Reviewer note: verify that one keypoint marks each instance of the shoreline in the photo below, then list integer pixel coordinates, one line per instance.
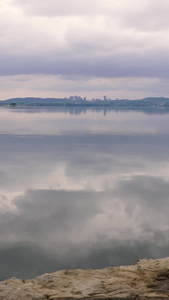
(147, 278)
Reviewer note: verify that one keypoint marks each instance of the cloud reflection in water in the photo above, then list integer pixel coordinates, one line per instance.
(82, 200)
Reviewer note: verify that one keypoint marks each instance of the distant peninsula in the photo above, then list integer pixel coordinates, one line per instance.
(76, 101)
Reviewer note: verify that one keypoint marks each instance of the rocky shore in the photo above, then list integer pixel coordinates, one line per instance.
(143, 280)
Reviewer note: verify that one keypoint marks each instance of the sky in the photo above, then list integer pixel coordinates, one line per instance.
(91, 48)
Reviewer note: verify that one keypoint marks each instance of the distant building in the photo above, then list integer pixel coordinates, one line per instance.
(105, 98)
(78, 98)
(75, 98)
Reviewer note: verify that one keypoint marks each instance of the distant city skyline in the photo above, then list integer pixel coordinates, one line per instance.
(89, 47)
(76, 98)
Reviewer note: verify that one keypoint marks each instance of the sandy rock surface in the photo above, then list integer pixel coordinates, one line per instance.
(145, 279)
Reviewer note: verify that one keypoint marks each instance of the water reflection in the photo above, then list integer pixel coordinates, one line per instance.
(77, 199)
(42, 121)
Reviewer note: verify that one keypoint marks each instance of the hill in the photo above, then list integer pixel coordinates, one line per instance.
(31, 101)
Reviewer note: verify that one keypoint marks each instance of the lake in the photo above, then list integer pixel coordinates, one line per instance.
(82, 188)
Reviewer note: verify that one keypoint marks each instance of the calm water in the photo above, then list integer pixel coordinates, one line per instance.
(82, 189)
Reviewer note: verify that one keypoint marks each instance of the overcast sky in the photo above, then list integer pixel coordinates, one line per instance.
(92, 48)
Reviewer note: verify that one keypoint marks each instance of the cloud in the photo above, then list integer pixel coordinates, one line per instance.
(146, 16)
(24, 260)
(111, 40)
(141, 16)
(85, 229)
(91, 47)
(128, 12)
(70, 205)
(75, 8)
(58, 8)
(66, 85)
(149, 193)
(47, 136)
(111, 66)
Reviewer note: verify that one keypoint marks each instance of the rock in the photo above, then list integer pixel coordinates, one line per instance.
(145, 279)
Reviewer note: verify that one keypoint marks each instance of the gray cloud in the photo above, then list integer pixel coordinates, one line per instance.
(60, 8)
(118, 154)
(24, 260)
(94, 39)
(150, 15)
(54, 230)
(121, 65)
(150, 193)
(112, 204)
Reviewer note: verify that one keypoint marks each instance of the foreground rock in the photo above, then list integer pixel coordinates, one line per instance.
(145, 279)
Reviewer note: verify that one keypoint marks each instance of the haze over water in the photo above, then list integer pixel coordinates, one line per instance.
(81, 189)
